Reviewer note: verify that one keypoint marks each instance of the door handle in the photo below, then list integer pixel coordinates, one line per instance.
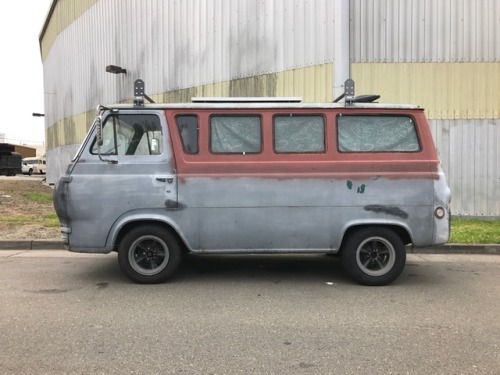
(164, 179)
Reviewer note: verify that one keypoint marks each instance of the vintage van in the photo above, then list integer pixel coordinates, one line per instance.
(250, 175)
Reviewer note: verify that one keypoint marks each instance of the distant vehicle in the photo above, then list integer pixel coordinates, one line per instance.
(34, 165)
(10, 161)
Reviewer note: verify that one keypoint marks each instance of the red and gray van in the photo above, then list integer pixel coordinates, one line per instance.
(255, 175)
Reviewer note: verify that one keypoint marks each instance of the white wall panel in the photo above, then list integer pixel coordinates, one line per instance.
(179, 44)
(470, 156)
(425, 30)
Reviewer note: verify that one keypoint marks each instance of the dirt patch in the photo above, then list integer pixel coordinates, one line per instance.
(26, 210)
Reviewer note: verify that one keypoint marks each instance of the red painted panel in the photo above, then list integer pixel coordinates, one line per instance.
(331, 164)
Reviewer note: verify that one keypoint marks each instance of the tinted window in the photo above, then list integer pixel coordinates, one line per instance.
(376, 134)
(235, 134)
(188, 130)
(131, 135)
(299, 134)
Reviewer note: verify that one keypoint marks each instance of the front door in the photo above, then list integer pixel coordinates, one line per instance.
(132, 172)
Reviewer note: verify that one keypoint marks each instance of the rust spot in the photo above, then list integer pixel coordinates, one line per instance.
(389, 210)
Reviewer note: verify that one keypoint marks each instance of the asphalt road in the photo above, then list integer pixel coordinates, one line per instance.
(64, 313)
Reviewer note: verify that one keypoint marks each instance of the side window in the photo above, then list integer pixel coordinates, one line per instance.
(299, 134)
(131, 135)
(376, 134)
(235, 134)
(187, 125)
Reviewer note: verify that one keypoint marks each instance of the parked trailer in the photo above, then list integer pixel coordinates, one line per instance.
(10, 162)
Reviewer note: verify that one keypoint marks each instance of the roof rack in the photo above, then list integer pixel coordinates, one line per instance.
(349, 97)
(246, 100)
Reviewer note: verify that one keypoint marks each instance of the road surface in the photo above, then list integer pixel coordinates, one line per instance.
(64, 313)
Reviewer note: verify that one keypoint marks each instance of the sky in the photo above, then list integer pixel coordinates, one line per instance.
(21, 70)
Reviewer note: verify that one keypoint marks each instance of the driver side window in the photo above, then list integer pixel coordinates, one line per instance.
(135, 134)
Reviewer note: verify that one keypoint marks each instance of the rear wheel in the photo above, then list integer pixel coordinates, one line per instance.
(374, 256)
(149, 254)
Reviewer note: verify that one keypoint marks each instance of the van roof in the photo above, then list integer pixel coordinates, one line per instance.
(263, 105)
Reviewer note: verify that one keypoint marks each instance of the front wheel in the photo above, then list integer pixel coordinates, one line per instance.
(374, 256)
(149, 254)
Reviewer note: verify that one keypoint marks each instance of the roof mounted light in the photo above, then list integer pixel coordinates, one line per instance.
(115, 69)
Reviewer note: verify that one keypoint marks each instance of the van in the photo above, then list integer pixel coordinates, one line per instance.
(34, 165)
(253, 175)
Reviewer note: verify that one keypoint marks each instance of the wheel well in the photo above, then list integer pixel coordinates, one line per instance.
(400, 231)
(134, 224)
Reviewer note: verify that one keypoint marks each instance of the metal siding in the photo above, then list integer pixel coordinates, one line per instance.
(445, 90)
(425, 30)
(469, 153)
(179, 44)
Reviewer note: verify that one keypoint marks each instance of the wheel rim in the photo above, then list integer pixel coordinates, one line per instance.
(375, 256)
(148, 255)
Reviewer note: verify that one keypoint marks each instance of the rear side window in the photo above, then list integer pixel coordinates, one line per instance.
(235, 134)
(377, 134)
(299, 134)
(188, 130)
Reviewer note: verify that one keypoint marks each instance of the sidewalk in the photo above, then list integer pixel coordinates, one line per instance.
(490, 249)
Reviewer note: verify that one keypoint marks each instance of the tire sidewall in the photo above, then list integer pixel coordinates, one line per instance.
(350, 262)
(174, 254)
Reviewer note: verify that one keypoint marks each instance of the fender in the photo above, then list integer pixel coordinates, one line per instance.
(157, 215)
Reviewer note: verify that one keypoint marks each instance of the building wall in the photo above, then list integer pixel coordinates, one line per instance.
(445, 56)
(441, 54)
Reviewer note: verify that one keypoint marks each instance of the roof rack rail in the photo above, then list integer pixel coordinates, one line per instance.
(221, 99)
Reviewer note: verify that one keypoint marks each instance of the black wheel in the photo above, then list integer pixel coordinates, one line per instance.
(30, 172)
(149, 254)
(374, 256)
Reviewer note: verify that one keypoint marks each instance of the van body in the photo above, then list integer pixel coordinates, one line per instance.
(155, 181)
(34, 165)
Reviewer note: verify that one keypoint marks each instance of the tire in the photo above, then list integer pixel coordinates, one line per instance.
(149, 254)
(30, 172)
(374, 256)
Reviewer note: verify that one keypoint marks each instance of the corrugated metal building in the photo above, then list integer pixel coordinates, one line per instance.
(441, 54)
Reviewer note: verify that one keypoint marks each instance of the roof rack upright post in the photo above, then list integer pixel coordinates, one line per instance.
(139, 93)
(349, 92)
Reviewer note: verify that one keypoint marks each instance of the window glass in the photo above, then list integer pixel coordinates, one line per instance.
(131, 135)
(376, 134)
(299, 134)
(188, 130)
(235, 134)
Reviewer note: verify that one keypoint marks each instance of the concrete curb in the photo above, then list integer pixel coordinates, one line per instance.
(31, 245)
(491, 249)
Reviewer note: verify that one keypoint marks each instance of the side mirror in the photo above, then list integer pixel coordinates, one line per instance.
(98, 124)
(99, 140)
(155, 146)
